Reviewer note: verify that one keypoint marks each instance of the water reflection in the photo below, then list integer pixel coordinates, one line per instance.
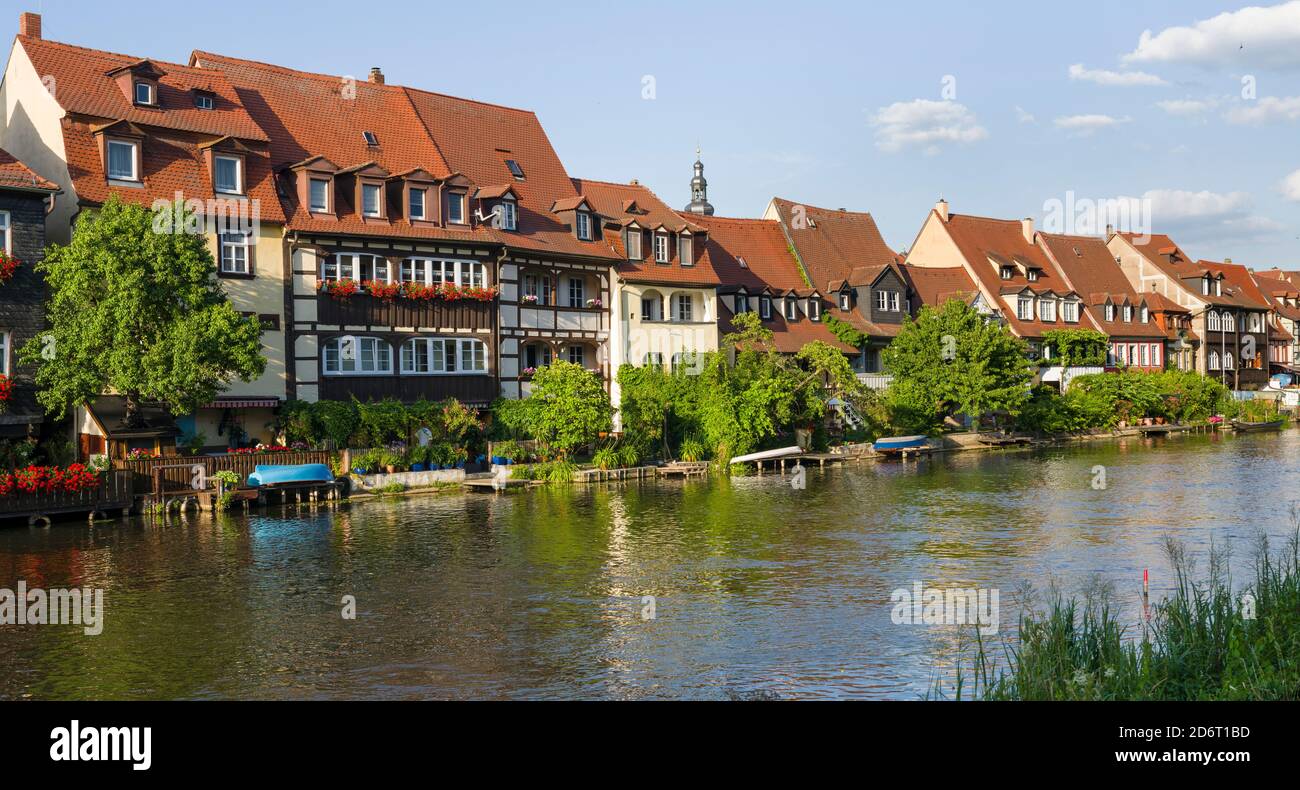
(756, 586)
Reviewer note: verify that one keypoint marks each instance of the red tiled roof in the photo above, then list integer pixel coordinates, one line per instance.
(833, 243)
(982, 241)
(1162, 303)
(613, 201)
(16, 175)
(936, 286)
(1091, 270)
(760, 244)
(1245, 291)
(788, 337)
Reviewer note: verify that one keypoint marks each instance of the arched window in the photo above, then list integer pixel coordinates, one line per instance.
(1229, 322)
(1228, 362)
(428, 356)
(357, 356)
(1212, 321)
(1214, 360)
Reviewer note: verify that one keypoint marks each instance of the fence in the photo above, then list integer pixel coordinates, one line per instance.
(177, 471)
(115, 491)
(876, 381)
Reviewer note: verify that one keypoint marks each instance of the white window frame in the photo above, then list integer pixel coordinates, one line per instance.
(652, 308)
(1212, 322)
(149, 92)
(684, 309)
(580, 352)
(1229, 322)
(6, 232)
(845, 301)
(882, 301)
(239, 174)
(685, 249)
(893, 301)
(1128, 313)
(1110, 312)
(424, 204)
(1047, 310)
(814, 309)
(634, 241)
(134, 147)
(234, 242)
(583, 226)
(1212, 360)
(580, 292)
(325, 192)
(662, 255)
(1025, 308)
(509, 214)
(376, 345)
(765, 307)
(378, 191)
(204, 101)
(463, 349)
(1144, 315)
(436, 271)
(1070, 311)
(456, 200)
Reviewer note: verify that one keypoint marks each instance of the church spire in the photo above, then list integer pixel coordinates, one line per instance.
(700, 190)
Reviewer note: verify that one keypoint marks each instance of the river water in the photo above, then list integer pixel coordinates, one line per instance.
(756, 587)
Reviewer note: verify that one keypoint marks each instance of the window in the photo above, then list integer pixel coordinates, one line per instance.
(204, 101)
(1205, 286)
(882, 300)
(320, 195)
(661, 248)
(539, 287)
(1229, 323)
(416, 204)
(537, 355)
(4, 353)
(358, 267)
(683, 307)
(1110, 312)
(1146, 361)
(584, 226)
(742, 304)
(509, 216)
(1213, 360)
(121, 160)
(1047, 310)
(1218, 291)
(1155, 356)
(515, 169)
(1007, 272)
(577, 292)
(765, 307)
(6, 235)
(435, 271)
(143, 93)
(685, 251)
(654, 358)
(634, 244)
(370, 138)
(1032, 275)
(228, 174)
(358, 356)
(814, 309)
(845, 300)
(1070, 312)
(433, 355)
(370, 200)
(1128, 313)
(456, 208)
(791, 310)
(1228, 362)
(893, 301)
(577, 355)
(1025, 308)
(1212, 321)
(234, 253)
(651, 308)
(1255, 323)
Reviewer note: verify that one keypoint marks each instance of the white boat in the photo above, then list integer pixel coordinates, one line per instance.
(767, 455)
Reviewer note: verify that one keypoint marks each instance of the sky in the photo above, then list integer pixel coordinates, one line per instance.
(1184, 113)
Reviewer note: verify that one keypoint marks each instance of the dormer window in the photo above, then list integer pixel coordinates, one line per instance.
(1145, 316)
(584, 226)
(661, 248)
(372, 200)
(1007, 272)
(1070, 311)
(685, 252)
(508, 214)
(1205, 286)
(320, 195)
(204, 101)
(791, 310)
(123, 160)
(1047, 309)
(1218, 287)
(742, 304)
(228, 174)
(456, 208)
(1128, 313)
(846, 300)
(1110, 312)
(1032, 275)
(144, 93)
(415, 204)
(814, 309)
(765, 307)
(634, 252)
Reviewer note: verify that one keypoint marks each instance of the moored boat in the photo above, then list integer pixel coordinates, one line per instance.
(1248, 427)
(902, 445)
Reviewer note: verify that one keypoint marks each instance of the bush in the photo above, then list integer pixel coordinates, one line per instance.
(693, 449)
(606, 458)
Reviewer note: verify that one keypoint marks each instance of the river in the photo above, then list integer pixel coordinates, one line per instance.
(755, 587)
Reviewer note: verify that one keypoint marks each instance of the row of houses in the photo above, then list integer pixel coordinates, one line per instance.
(482, 259)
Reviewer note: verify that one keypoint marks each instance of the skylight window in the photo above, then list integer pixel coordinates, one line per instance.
(515, 169)
(370, 138)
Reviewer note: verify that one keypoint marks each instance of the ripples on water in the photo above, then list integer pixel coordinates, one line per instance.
(758, 587)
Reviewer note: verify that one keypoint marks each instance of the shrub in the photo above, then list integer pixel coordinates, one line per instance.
(693, 449)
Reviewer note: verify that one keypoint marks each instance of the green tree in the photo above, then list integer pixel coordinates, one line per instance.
(957, 362)
(138, 312)
(1078, 347)
(570, 406)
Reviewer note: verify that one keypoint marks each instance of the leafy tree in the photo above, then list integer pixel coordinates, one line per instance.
(570, 406)
(138, 312)
(1078, 347)
(957, 362)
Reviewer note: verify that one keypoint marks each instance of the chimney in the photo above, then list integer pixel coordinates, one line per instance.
(1027, 227)
(1227, 260)
(376, 76)
(1110, 231)
(29, 25)
(942, 208)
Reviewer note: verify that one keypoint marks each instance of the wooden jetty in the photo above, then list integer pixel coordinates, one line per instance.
(684, 469)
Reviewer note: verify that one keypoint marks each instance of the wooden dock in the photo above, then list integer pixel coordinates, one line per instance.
(608, 475)
(684, 469)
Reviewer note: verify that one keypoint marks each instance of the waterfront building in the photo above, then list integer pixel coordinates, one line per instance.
(1282, 289)
(1229, 313)
(99, 124)
(25, 197)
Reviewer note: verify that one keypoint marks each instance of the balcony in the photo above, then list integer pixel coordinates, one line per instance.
(470, 389)
(365, 310)
(876, 381)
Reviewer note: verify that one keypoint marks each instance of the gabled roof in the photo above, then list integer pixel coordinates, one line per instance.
(832, 243)
(16, 175)
(935, 286)
(624, 204)
(1239, 287)
(788, 337)
(762, 245)
(1089, 267)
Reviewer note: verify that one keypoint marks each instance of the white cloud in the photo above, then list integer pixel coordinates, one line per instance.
(925, 123)
(1269, 108)
(1087, 124)
(1023, 116)
(1188, 107)
(1291, 187)
(1119, 78)
(1259, 37)
(1207, 215)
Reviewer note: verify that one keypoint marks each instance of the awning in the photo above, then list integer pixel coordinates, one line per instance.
(243, 403)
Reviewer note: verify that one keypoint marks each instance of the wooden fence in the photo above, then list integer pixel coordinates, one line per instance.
(178, 471)
(115, 492)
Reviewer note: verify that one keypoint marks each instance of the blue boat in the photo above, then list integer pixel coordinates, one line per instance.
(902, 445)
(284, 475)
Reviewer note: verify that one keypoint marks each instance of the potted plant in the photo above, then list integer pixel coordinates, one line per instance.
(365, 463)
(390, 461)
(419, 458)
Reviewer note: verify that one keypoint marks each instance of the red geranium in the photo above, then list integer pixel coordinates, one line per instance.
(8, 266)
(340, 289)
(6, 389)
(382, 290)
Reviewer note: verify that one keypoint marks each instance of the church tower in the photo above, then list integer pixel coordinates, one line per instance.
(700, 190)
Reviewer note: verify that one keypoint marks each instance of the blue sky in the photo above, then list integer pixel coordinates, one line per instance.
(835, 104)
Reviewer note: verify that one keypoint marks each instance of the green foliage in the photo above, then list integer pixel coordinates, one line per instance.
(195, 442)
(846, 332)
(391, 489)
(510, 450)
(693, 449)
(138, 312)
(339, 424)
(391, 459)
(1078, 347)
(571, 406)
(368, 461)
(958, 362)
(606, 458)
(228, 478)
(1103, 400)
(513, 418)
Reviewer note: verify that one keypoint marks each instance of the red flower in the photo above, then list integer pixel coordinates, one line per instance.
(382, 290)
(339, 289)
(6, 388)
(8, 266)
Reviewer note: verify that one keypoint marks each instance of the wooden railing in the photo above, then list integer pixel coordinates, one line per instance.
(115, 491)
(177, 472)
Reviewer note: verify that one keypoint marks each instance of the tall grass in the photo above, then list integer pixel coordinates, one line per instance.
(1201, 643)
